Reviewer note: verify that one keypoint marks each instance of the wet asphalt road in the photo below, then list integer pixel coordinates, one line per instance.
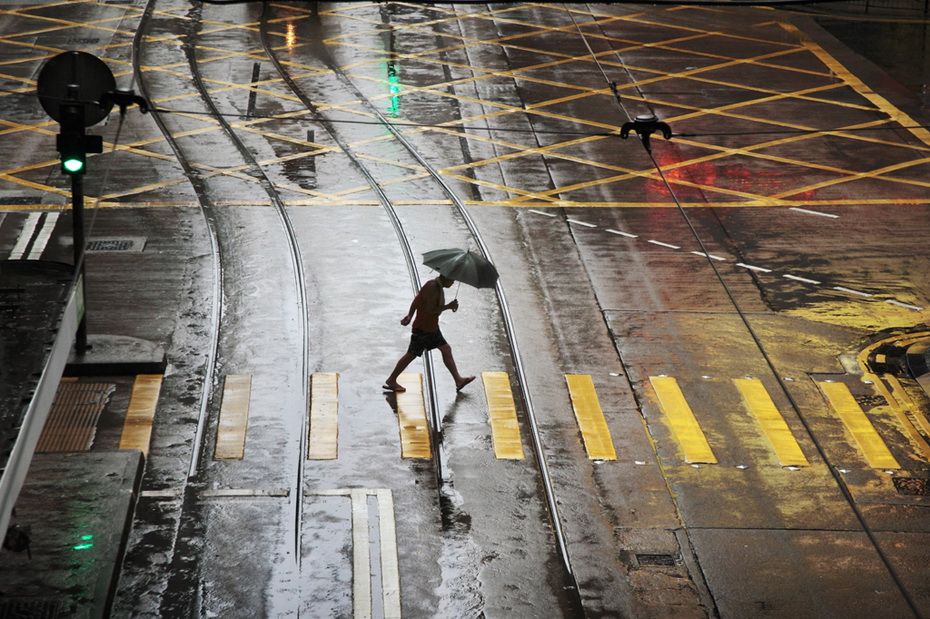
(604, 275)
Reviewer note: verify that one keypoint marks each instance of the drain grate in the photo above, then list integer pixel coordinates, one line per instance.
(912, 486)
(134, 244)
(72, 422)
(31, 609)
(649, 560)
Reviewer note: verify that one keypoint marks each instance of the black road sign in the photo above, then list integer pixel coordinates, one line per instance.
(76, 76)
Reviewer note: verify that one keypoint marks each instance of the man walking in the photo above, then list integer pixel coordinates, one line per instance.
(429, 303)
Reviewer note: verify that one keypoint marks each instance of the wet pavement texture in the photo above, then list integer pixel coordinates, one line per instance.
(780, 232)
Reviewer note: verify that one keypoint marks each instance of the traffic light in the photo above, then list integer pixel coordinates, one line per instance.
(72, 143)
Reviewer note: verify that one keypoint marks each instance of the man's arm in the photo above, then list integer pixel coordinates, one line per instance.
(414, 305)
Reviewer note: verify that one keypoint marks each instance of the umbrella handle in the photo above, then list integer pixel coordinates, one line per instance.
(457, 291)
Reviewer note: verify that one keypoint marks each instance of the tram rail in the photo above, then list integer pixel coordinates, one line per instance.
(506, 317)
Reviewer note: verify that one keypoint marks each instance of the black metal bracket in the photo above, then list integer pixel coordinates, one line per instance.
(123, 99)
(645, 125)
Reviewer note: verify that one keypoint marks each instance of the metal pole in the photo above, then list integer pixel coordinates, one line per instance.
(77, 220)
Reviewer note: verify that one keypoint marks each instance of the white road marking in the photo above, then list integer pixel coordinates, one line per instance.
(245, 492)
(361, 557)
(753, 268)
(809, 212)
(803, 279)
(544, 214)
(712, 256)
(670, 246)
(44, 235)
(581, 223)
(29, 228)
(361, 552)
(916, 308)
(851, 291)
(390, 574)
(626, 234)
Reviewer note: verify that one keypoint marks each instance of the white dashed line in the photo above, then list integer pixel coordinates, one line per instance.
(626, 234)
(803, 279)
(753, 268)
(33, 220)
(851, 291)
(916, 308)
(711, 256)
(809, 212)
(581, 223)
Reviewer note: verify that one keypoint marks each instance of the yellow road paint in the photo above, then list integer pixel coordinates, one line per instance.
(684, 425)
(859, 86)
(411, 415)
(760, 405)
(898, 399)
(502, 412)
(591, 421)
(323, 440)
(899, 394)
(234, 418)
(867, 439)
(137, 428)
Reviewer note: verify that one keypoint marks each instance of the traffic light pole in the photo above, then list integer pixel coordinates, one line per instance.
(77, 220)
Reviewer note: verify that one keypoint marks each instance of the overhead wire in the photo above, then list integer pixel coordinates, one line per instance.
(841, 483)
(292, 116)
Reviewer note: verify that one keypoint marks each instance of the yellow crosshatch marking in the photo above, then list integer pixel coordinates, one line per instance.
(502, 412)
(681, 420)
(868, 441)
(673, 37)
(760, 405)
(590, 417)
(137, 427)
(234, 417)
(323, 439)
(411, 417)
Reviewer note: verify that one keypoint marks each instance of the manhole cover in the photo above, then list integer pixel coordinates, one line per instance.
(646, 560)
(115, 244)
(912, 486)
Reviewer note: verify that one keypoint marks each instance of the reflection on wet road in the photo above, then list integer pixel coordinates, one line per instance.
(701, 386)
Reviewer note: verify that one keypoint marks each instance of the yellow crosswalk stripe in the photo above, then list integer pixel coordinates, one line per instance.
(681, 419)
(591, 421)
(502, 413)
(234, 417)
(760, 406)
(137, 428)
(411, 415)
(323, 437)
(867, 439)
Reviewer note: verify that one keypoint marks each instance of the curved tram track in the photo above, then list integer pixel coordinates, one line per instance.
(189, 518)
(183, 573)
(506, 317)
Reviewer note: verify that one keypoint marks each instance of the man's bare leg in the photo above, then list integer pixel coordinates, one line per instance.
(460, 381)
(391, 383)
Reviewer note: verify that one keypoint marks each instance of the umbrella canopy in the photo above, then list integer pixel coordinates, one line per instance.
(463, 266)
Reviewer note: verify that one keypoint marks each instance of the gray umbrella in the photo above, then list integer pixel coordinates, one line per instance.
(463, 266)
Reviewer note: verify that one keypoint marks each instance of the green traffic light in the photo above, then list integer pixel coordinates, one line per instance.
(73, 165)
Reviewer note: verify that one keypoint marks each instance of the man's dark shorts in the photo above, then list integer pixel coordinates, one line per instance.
(424, 340)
